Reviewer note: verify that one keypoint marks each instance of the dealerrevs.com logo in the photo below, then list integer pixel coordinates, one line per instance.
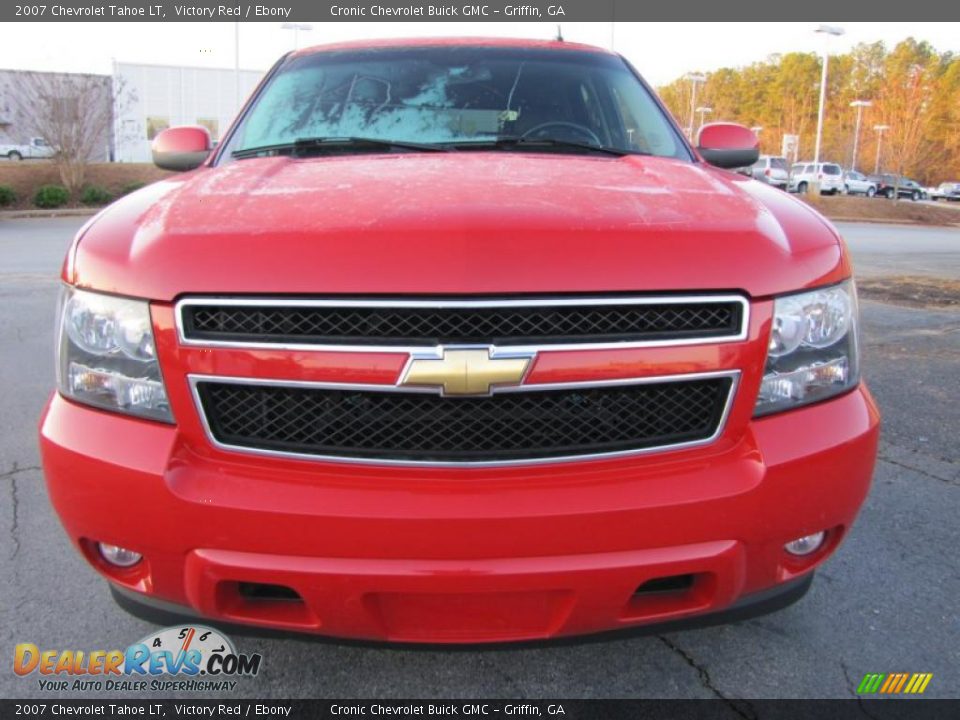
(183, 658)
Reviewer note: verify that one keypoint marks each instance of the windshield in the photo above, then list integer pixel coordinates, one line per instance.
(457, 96)
(778, 163)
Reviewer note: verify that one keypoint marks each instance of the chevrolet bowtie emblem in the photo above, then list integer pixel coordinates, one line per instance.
(465, 372)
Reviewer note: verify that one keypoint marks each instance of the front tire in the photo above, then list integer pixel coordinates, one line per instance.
(802, 188)
(15, 156)
(871, 191)
(915, 196)
(889, 193)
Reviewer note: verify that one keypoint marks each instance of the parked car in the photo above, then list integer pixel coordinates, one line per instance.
(420, 353)
(856, 183)
(890, 186)
(946, 191)
(917, 191)
(37, 148)
(805, 174)
(772, 170)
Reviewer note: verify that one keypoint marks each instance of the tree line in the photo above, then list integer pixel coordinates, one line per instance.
(913, 90)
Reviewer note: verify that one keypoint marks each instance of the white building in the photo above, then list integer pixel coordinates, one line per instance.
(150, 98)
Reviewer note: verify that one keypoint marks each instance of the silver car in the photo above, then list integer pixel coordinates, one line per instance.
(946, 191)
(772, 170)
(856, 183)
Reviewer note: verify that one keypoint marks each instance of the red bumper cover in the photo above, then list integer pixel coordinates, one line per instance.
(459, 555)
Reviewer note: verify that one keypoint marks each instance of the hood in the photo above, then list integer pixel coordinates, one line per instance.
(456, 223)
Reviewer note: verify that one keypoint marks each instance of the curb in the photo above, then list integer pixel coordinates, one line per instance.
(880, 221)
(66, 212)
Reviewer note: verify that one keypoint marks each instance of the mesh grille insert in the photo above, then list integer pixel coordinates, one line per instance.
(428, 428)
(527, 324)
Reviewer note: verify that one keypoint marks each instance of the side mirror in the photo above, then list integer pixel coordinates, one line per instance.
(728, 145)
(181, 148)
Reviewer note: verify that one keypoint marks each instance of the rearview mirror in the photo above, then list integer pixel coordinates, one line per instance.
(728, 145)
(181, 148)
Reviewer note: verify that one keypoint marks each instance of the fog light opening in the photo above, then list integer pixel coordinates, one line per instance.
(806, 545)
(118, 556)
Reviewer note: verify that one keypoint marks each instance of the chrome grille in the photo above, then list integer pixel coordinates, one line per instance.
(503, 322)
(569, 422)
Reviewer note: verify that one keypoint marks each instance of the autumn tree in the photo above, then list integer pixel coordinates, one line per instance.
(912, 88)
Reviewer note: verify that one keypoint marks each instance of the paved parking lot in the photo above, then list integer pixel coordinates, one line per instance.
(886, 602)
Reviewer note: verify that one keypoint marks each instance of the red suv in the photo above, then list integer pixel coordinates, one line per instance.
(457, 341)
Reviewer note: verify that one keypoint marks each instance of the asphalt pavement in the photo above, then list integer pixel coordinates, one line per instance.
(886, 602)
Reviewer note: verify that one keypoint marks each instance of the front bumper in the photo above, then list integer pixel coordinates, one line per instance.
(459, 555)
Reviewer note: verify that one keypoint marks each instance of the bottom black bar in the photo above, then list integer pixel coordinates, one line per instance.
(914, 709)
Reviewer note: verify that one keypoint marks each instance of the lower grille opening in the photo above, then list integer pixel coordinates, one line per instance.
(671, 583)
(671, 596)
(264, 602)
(265, 591)
(419, 427)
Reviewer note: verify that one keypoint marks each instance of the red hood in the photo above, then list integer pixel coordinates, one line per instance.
(456, 224)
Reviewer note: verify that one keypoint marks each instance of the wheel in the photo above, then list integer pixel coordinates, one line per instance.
(802, 188)
(846, 189)
(871, 191)
(915, 196)
(889, 193)
(15, 156)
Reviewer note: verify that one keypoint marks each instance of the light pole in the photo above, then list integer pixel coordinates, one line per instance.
(297, 27)
(859, 105)
(694, 79)
(236, 63)
(880, 130)
(703, 110)
(827, 30)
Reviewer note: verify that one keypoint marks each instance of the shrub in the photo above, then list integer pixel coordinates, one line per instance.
(95, 195)
(7, 196)
(51, 196)
(131, 186)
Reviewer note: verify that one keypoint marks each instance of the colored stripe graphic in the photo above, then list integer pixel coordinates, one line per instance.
(922, 682)
(894, 683)
(870, 683)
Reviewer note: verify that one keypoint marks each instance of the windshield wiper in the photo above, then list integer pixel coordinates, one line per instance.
(510, 142)
(331, 145)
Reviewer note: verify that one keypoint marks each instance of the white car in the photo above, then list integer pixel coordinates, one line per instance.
(805, 174)
(37, 148)
(856, 183)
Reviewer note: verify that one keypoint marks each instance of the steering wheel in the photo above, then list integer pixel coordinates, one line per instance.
(583, 130)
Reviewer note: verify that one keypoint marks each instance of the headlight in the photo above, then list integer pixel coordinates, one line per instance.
(107, 356)
(813, 349)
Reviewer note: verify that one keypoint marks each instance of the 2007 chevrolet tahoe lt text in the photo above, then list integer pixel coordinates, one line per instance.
(457, 341)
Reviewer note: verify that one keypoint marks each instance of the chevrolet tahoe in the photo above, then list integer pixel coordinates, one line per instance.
(457, 341)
